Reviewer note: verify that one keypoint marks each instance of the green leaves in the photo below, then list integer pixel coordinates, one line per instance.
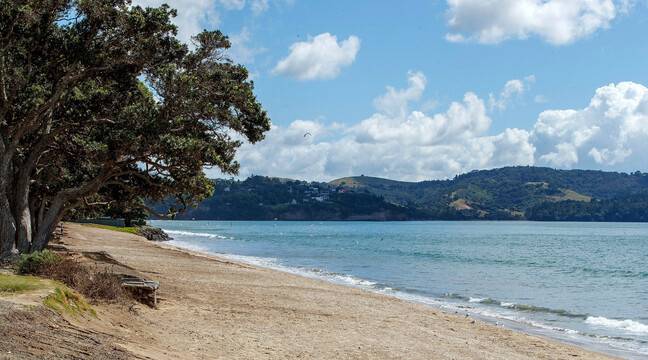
(104, 96)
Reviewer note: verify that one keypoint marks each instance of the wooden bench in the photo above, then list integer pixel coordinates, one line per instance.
(143, 290)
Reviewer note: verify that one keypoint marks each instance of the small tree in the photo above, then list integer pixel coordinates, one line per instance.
(97, 94)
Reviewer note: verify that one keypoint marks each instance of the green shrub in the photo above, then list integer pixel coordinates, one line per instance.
(35, 262)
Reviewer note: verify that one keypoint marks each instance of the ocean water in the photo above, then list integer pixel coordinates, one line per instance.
(585, 283)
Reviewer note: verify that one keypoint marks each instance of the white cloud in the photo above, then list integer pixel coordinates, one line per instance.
(512, 88)
(558, 22)
(321, 57)
(394, 142)
(256, 6)
(233, 4)
(259, 6)
(193, 15)
(394, 102)
(610, 133)
(196, 15)
(241, 50)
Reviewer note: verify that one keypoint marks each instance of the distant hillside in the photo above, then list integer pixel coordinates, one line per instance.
(511, 193)
(265, 198)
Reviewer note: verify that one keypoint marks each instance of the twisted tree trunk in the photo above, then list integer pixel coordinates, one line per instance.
(48, 224)
(7, 227)
(7, 221)
(23, 230)
(22, 213)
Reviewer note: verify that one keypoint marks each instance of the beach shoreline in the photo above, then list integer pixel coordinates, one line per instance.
(456, 310)
(214, 307)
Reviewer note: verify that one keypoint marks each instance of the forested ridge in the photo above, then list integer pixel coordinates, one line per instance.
(510, 193)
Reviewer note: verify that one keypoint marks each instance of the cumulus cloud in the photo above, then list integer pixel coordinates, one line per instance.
(321, 57)
(558, 22)
(512, 89)
(394, 142)
(394, 102)
(611, 132)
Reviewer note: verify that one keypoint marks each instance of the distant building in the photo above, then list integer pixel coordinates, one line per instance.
(293, 202)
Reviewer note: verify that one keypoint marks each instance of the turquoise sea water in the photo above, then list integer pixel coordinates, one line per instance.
(585, 283)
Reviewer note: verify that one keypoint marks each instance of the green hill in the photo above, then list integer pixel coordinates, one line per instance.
(507, 193)
(510, 193)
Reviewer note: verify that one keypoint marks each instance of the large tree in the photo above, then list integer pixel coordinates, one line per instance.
(98, 94)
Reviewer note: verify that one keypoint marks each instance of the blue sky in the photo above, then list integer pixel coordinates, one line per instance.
(475, 84)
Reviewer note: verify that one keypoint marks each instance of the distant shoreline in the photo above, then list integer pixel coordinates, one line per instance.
(510, 193)
(416, 220)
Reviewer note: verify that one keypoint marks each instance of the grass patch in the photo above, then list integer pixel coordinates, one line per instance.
(67, 301)
(16, 284)
(126, 229)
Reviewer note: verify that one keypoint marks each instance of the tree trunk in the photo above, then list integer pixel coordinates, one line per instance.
(41, 214)
(7, 221)
(23, 230)
(7, 227)
(48, 224)
(59, 204)
(22, 213)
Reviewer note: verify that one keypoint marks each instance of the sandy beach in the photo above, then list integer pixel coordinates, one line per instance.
(212, 308)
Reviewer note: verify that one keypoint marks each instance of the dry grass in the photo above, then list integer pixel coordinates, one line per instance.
(65, 300)
(105, 286)
(95, 284)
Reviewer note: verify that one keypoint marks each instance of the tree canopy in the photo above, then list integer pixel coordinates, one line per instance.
(99, 98)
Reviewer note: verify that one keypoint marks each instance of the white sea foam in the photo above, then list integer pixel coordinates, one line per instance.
(194, 234)
(274, 264)
(188, 246)
(507, 304)
(627, 325)
(476, 300)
